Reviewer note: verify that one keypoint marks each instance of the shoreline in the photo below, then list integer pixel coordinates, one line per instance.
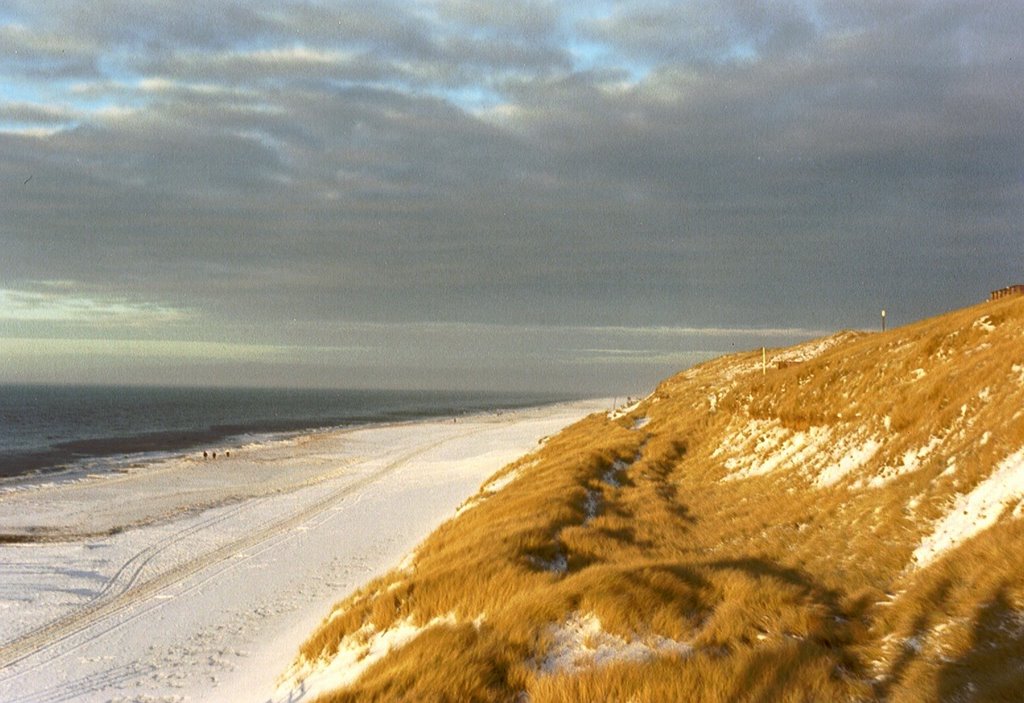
(98, 446)
(40, 471)
(212, 600)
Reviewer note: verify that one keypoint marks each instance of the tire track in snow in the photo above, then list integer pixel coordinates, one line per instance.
(144, 557)
(63, 628)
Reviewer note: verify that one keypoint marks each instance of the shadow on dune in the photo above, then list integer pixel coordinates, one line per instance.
(992, 668)
(767, 674)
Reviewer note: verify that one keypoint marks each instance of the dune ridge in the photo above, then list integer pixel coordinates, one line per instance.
(839, 524)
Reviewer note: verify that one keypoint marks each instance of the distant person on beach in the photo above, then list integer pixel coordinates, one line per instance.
(205, 455)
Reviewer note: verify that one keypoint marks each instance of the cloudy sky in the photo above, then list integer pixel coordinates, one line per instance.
(482, 193)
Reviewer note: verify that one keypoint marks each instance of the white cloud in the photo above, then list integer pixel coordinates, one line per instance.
(33, 306)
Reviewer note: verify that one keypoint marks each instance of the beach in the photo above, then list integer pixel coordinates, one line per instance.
(196, 579)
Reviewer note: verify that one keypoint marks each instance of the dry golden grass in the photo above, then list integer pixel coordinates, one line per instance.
(785, 589)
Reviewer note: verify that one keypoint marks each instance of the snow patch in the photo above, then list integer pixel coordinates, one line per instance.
(497, 484)
(610, 476)
(491, 487)
(557, 564)
(913, 504)
(974, 512)
(763, 446)
(641, 423)
(911, 461)
(777, 448)
(632, 405)
(855, 456)
(356, 653)
(591, 505)
(730, 372)
(408, 563)
(740, 438)
(809, 350)
(984, 323)
(581, 643)
(950, 467)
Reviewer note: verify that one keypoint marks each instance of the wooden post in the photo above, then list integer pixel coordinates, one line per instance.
(764, 362)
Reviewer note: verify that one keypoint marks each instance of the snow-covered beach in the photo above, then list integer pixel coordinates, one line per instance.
(197, 580)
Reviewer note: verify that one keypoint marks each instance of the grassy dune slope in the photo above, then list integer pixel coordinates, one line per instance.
(842, 527)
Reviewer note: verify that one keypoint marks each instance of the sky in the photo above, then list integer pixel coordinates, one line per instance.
(474, 194)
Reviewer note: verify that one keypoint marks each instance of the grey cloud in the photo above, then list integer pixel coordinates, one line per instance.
(705, 33)
(841, 105)
(321, 163)
(45, 55)
(531, 18)
(36, 113)
(157, 25)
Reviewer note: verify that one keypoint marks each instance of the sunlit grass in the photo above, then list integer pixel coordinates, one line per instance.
(783, 589)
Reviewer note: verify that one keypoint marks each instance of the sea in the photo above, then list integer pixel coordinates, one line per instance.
(45, 428)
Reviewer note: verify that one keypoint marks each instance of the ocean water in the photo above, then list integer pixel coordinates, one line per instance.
(45, 428)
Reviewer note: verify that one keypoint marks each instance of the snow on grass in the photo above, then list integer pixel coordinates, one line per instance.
(1019, 370)
(950, 467)
(491, 487)
(809, 350)
(625, 410)
(641, 423)
(911, 461)
(821, 453)
(913, 504)
(581, 643)
(591, 505)
(356, 653)
(984, 323)
(610, 476)
(856, 455)
(557, 564)
(499, 483)
(739, 438)
(776, 448)
(976, 511)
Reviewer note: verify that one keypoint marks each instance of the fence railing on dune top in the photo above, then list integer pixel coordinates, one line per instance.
(1016, 289)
